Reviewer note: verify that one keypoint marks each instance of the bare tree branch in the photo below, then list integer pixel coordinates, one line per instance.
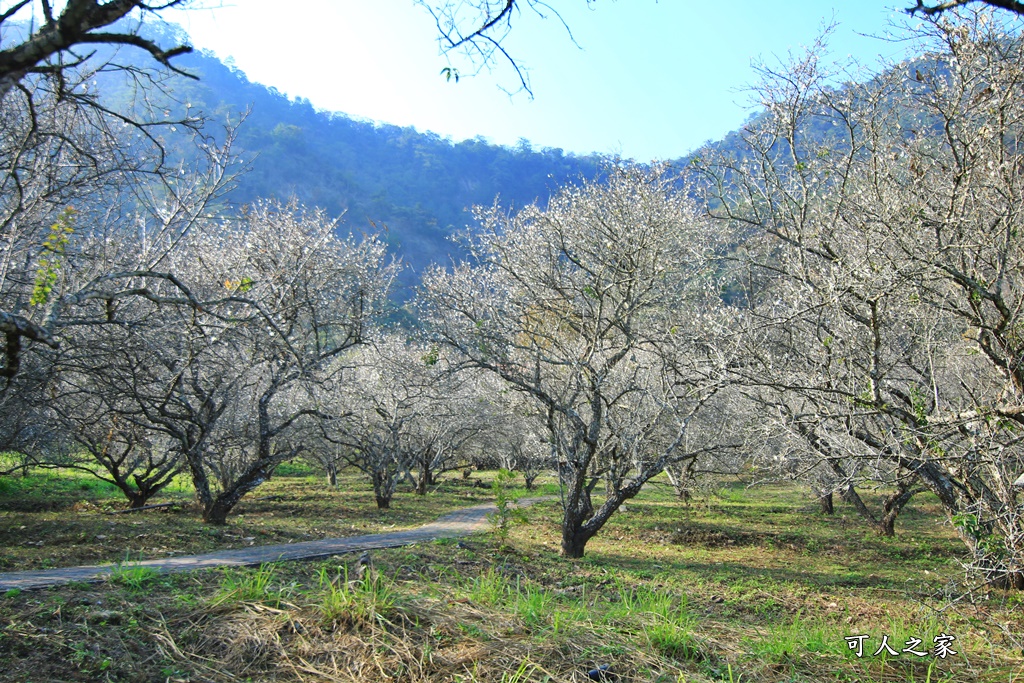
(938, 8)
(74, 26)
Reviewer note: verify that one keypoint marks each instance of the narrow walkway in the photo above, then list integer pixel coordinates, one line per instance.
(453, 525)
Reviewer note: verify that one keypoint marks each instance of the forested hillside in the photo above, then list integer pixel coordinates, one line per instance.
(418, 185)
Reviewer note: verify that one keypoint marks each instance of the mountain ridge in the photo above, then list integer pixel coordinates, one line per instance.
(416, 186)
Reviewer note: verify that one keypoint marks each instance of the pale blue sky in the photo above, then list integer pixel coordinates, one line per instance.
(648, 80)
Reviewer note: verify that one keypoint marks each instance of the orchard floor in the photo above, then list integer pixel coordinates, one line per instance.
(54, 519)
(742, 584)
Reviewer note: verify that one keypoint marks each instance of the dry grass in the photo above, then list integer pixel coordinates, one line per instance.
(747, 586)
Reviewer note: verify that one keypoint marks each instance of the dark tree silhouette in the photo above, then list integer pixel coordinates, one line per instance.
(936, 8)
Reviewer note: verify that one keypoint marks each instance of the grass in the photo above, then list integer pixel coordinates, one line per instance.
(779, 643)
(50, 519)
(747, 585)
(133, 577)
(51, 489)
(354, 602)
(249, 585)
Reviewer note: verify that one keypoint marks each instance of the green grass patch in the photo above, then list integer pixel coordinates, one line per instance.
(250, 585)
(134, 578)
(344, 601)
(54, 519)
(799, 636)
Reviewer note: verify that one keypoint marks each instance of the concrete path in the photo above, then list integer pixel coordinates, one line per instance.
(452, 525)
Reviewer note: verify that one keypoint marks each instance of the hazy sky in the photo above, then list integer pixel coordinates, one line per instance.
(647, 80)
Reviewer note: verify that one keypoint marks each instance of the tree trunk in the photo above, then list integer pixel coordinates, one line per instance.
(850, 495)
(581, 522)
(578, 529)
(200, 482)
(332, 474)
(574, 533)
(136, 499)
(573, 545)
(1010, 580)
(383, 489)
(586, 504)
(144, 489)
(585, 509)
(259, 471)
(680, 478)
(826, 503)
(217, 514)
(426, 477)
(217, 510)
(939, 482)
(892, 507)
(576, 509)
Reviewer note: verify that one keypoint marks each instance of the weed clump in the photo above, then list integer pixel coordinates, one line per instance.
(363, 601)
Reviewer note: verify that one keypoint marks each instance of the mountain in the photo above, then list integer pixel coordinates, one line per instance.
(417, 185)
